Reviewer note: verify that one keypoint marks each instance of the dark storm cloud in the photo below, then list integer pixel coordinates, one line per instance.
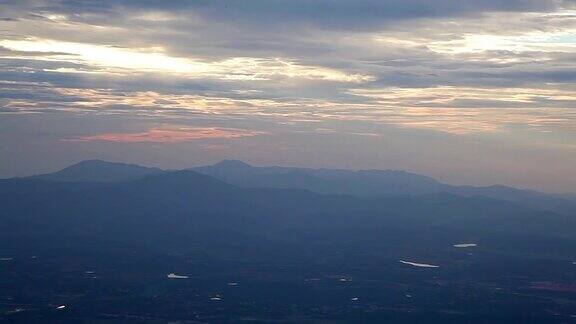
(326, 14)
(323, 12)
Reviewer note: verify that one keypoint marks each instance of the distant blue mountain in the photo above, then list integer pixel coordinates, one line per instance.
(189, 198)
(371, 183)
(362, 183)
(327, 181)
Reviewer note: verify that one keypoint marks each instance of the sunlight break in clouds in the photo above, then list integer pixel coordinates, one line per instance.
(113, 59)
(564, 41)
(169, 134)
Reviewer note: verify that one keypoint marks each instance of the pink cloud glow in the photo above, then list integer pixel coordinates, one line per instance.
(169, 135)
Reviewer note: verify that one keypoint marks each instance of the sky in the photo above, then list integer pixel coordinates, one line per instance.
(467, 91)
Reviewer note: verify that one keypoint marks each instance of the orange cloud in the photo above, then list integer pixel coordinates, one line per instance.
(169, 135)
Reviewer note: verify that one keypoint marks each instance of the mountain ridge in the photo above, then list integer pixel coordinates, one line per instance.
(96, 170)
(361, 183)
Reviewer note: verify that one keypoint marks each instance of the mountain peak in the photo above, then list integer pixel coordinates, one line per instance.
(95, 163)
(99, 171)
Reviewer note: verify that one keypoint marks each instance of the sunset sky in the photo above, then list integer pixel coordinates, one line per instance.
(466, 91)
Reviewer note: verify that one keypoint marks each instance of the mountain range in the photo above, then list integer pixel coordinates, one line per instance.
(362, 183)
(238, 192)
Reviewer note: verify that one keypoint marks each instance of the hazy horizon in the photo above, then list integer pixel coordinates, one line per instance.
(191, 166)
(474, 92)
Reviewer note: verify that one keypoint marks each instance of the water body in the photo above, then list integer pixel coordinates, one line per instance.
(419, 265)
(465, 245)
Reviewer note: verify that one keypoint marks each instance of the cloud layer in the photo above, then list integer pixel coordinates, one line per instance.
(471, 70)
(168, 134)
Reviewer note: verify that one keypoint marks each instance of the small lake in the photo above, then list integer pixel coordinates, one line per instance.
(465, 245)
(419, 265)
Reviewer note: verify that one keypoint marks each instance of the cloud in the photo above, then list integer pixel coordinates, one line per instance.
(169, 134)
(415, 68)
(454, 110)
(116, 60)
(327, 13)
